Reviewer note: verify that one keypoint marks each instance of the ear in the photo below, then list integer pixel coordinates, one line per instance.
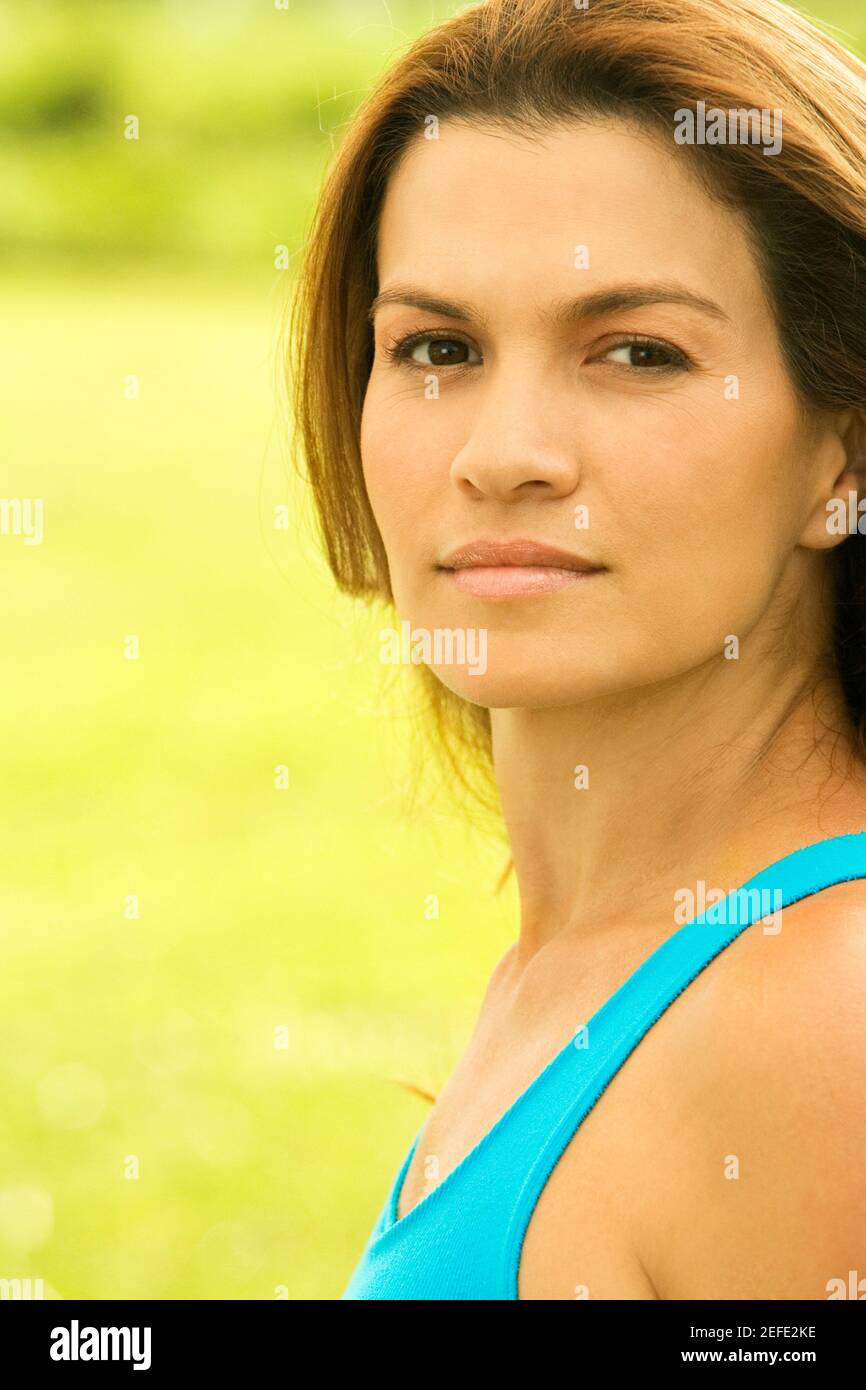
(840, 508)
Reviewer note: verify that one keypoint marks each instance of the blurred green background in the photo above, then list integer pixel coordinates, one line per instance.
(210, 982)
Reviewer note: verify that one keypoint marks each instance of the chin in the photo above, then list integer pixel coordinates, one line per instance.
(517, 687)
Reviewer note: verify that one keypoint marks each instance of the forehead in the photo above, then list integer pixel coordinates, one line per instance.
(506, 211)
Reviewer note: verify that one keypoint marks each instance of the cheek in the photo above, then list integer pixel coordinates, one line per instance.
(705, 525)
(404, 455)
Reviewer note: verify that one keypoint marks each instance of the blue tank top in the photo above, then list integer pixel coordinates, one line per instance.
(463, 1240)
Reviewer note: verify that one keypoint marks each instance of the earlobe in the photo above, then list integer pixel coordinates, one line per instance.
(842, 509)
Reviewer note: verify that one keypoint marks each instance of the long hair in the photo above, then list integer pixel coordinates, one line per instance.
(528, 64)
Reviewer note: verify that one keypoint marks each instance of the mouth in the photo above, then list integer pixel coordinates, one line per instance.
(490, 569)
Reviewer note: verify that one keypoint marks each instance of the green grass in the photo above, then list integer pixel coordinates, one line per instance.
(259, 908)
(239, 106)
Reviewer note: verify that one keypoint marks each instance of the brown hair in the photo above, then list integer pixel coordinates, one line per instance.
(532, 63)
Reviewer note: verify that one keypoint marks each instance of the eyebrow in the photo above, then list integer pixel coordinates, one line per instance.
(561, 311)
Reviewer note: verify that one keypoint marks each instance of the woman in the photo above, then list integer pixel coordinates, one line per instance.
(580, 380)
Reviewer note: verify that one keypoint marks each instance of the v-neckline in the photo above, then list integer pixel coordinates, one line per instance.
(394, 1223)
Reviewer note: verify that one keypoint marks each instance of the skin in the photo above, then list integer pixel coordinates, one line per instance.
(708, 516)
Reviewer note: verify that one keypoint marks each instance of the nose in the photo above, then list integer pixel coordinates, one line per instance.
(520, 443)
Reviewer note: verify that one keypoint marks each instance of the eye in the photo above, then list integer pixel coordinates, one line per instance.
(648, 354)
(444, 351)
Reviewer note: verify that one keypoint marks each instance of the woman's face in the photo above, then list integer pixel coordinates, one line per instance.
(677, 464)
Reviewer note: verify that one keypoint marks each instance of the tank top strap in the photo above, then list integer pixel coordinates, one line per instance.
(568, 1089)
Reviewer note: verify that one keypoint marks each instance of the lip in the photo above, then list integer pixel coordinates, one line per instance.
(507, 569)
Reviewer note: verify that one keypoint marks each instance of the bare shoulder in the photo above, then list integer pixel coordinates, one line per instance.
(764, 1193)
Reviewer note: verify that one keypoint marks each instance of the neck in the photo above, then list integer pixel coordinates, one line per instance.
(710, 776)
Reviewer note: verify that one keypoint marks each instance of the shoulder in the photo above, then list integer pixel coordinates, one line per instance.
(765, 1195)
